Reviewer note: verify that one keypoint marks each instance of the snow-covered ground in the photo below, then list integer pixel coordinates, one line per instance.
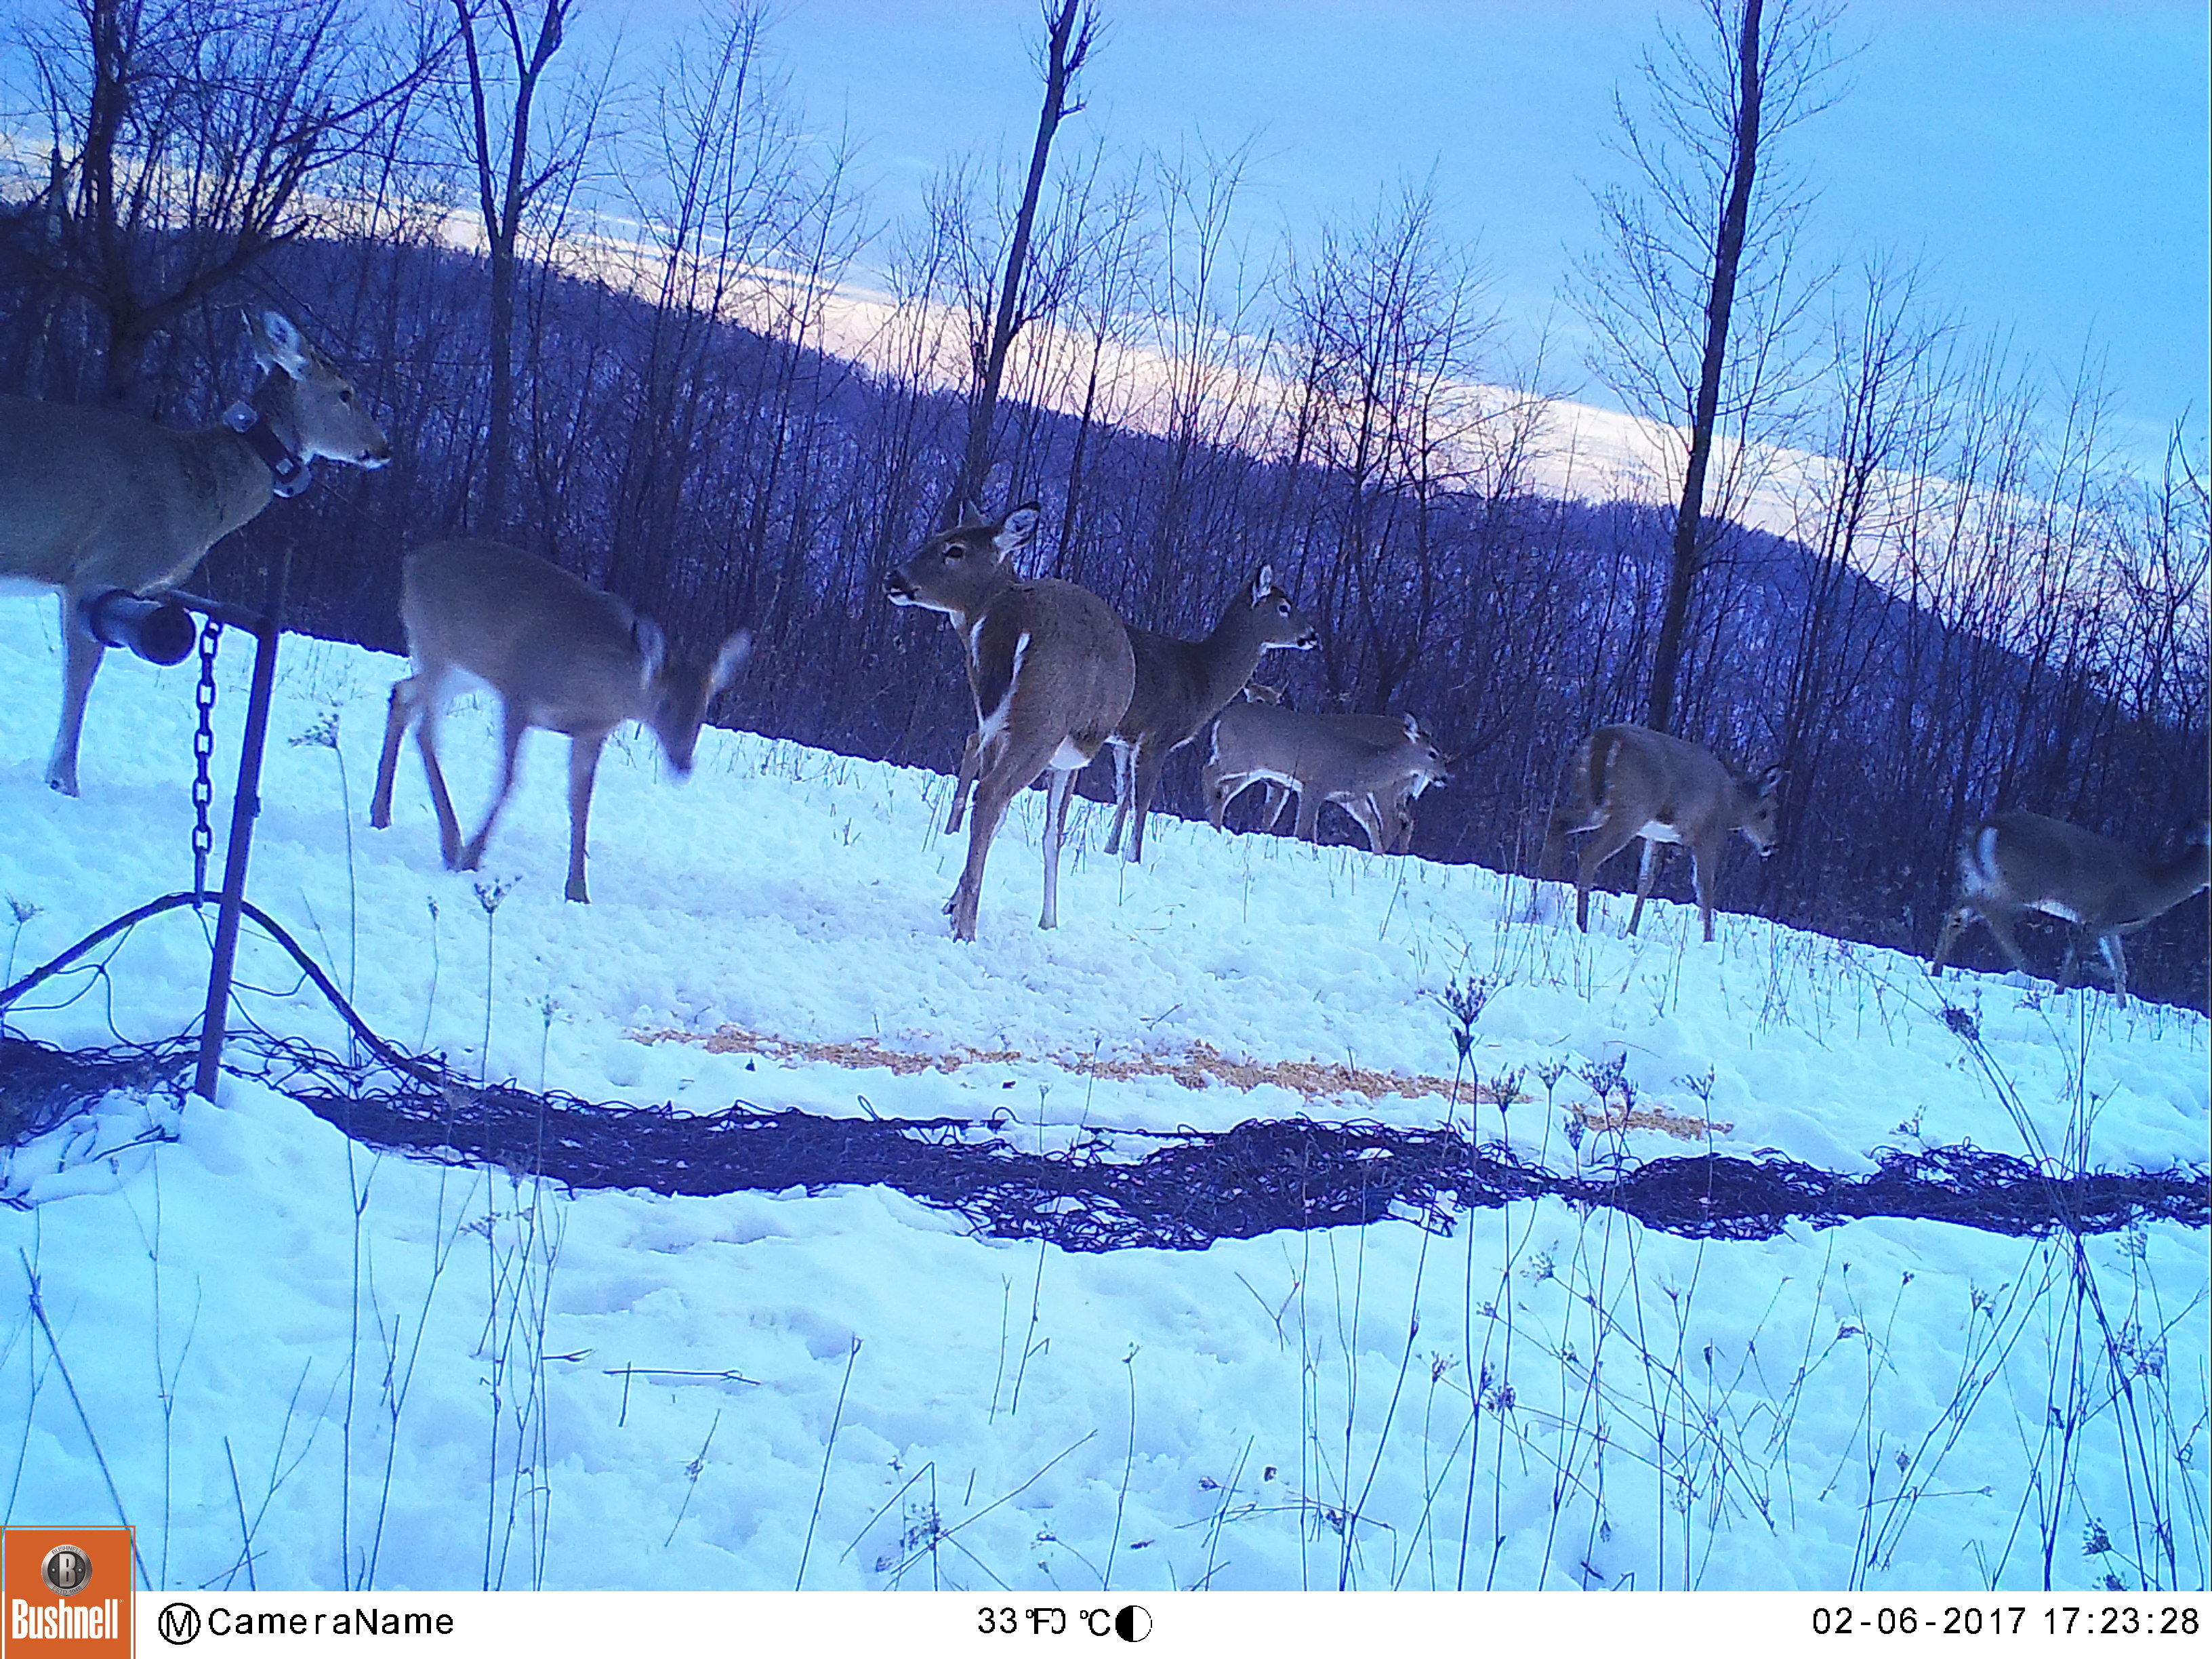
(356, 1369)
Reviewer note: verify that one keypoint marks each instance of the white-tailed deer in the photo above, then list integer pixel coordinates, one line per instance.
(94, 499)
(2019, 862)
(1183, 683)
(1370, 764)
(1051, 670)
(559, 655)
(1625, 781)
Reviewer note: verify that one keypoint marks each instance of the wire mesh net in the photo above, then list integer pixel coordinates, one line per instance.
(1121, 1190)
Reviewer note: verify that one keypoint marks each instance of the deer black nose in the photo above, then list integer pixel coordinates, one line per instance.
(897, 587)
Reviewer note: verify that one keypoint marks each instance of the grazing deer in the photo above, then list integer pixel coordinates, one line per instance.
(1370, 764)
(1183, 683)
(1625, 781)
(93, 498)
(1051, 670)
(2019, 862)
(560, 655)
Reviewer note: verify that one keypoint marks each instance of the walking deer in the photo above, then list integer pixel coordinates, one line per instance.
(1370, 764)
(1183, 683)
(2019, 862)
(93, 498)
(1625, 781)
(1051, 670)
(559, 654)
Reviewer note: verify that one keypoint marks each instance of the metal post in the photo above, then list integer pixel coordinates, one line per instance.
(245, 807)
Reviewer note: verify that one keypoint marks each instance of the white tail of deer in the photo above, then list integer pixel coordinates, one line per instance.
(93, 498)
(1183, 683)
(559, 655)
(1051, 670)
(2019, 862)
(1370, 764)
(1625, 781)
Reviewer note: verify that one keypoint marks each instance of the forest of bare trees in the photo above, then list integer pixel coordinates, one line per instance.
(639, 316)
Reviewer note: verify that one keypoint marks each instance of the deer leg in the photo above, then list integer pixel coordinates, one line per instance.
(1148, 767)
(80, 662)
(1609, 839)
(1006, 772)
(990, 805)
(513, 724)
(1124, 792)
(1058, 791)
(1218, 794)
(2116, 958)
(1647, 877)
(1309, 824)
(969, 761)
(1551, 861)
(1960, 916)
(583, 771)
(1999, 926)
(449, 823)
(399, 712)
(1366, 815)
(1703, 866)
(1278, 798)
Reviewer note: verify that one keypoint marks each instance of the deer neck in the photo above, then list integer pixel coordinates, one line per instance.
(227, 483)
(968, 616)
(2184, 879)
(1227, 657)
(268, 423)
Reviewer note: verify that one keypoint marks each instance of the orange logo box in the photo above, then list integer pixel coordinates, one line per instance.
(65, 1593)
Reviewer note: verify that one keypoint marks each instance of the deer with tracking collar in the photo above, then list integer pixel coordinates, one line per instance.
(92, 500)
(1051, 670)
(559, 655)
(1625, 781)
(2019, 862)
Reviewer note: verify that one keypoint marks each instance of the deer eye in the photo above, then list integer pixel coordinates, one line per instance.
(1283, 609)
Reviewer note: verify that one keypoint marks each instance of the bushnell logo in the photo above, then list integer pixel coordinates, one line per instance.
(66, 1569)
(66, 1591)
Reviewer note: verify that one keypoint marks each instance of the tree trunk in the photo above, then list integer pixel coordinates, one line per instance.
(1683, 570)
(1068, 37)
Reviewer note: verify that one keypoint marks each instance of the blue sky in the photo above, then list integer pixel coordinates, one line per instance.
(2047, 162)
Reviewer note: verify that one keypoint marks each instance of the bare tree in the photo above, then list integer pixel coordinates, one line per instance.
(512, 172)
(1071, 31)
(1691, 299)
(1389, 324)
(184, 135)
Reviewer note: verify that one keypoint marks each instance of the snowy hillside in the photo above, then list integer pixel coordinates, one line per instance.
(305, 1363)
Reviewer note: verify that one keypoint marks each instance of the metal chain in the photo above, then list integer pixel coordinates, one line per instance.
(203, 752)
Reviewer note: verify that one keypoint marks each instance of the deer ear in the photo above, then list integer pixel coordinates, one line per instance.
(1020, 527)
(1771, 780)
(276, 344)
(728, 660)
(1413, 728)
(1263, 582)
(652, 648)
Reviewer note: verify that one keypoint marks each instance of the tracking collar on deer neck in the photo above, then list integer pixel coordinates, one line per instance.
(290, 473)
